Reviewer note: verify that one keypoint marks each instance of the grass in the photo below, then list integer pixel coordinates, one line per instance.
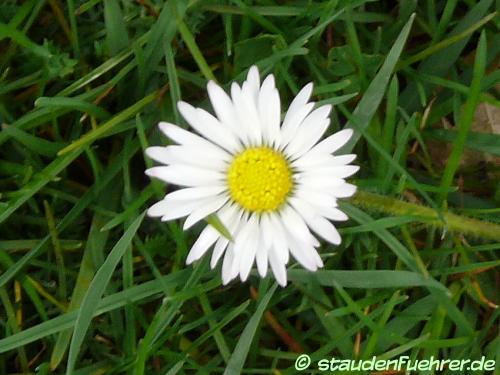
(88, 285)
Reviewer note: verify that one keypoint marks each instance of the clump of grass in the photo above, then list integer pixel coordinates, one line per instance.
(88, 286)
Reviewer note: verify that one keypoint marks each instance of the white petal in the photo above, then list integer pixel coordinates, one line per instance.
(204, 210)
(292, 123)
(333, 142)
(185, 175)
(343, 159)
(184, 137)
(196, 156)
(332, 213)
(219, 248)
(261, 260)
(313, 160)
(269, 111)
(325, 229)
(222, 104)
(266, 229)
(319, 261)
(304, 254)
(309, 132)
(246, 246)
(173, 210)
(253, 81)
(296, 227)
(338, 171)
(345, 190)
(299, 101)
(319, 182)
(206, 239)
(315, 197)
(157, 153)
(278, 268)
(230, 217)
(316, 222)
(227, 264)
(195, 193)
(246, 129)
(208, 126)
(279, 239)
(248, 107)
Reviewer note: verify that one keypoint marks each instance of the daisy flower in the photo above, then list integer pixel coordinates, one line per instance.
(269, 181)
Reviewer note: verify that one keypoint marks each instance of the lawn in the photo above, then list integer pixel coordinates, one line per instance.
(90, 284)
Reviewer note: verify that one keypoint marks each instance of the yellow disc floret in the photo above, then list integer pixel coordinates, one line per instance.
(259, 179)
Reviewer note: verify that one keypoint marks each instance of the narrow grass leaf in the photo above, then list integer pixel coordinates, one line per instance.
(240, 353)
(95, 291)
(367, 106)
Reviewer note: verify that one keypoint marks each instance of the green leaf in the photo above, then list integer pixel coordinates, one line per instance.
(365, 279)
(95, 291)
(367, 106)
(116, 29)
(466, 119)
(240, 353)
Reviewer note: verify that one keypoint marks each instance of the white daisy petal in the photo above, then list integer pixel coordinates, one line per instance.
(203, 211)
(278, 268)
(248, 106)
(316, 222)
(184, 137)
(333, 142)
(309, 131)
(219, 248)
(313, 160)
(185, 175)
(261, 260)
(296, 227)
(173, 210)
(325, 229)
(246, 244)
(315, 197)
(227, 264)
(339, 171)
(269, 111)
(319, 182)
(230, 216)
(345, 190)
(222, 104)
(206, 239)
(208, 126)
(253, 81)
(303, 253)
(299, 101)
(279, 239)
(266, 230)
(292, 123)
(246, 129)
(201, 157)
(332, 213)
(195, 193)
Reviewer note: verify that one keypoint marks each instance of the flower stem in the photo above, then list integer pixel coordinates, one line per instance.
(452, 222)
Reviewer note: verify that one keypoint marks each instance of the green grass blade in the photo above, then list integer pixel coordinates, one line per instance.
(96, 289)
(373, 95)
(466, 119)
(240, 353)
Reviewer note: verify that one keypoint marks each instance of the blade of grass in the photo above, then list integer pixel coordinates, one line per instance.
(373, 95)
(240, 353)
(102, 130)
(466, 119)
(94, 293)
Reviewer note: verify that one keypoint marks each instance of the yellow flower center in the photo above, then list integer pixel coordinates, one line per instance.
(259, 179)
